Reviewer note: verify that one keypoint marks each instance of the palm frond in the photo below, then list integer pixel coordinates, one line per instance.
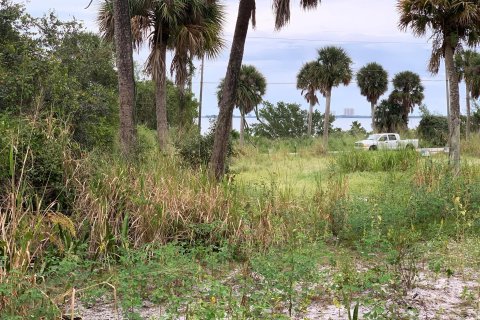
(281, 9)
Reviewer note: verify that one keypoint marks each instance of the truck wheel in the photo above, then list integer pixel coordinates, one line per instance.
(372, 148)
(410, 147)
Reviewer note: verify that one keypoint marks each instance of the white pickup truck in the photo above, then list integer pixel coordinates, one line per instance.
(384, 141)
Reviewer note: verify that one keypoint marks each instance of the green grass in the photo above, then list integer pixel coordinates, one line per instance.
(302, 173)
(285, 170)
(289, 229)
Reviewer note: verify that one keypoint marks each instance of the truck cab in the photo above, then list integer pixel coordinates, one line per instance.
(385, 141)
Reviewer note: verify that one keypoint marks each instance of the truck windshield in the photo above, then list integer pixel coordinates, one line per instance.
(373, 137)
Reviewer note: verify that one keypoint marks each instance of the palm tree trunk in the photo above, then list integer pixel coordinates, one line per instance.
(454, 134)
(126, 82)
(310, 116)
(182, 114)
(467, 128)
(242, 128)
(447, 88)
(326, 121)
(227, 102)
(161, 100)
(201, 96)
(372, 107)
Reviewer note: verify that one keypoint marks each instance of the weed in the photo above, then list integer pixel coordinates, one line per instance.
(383, 160)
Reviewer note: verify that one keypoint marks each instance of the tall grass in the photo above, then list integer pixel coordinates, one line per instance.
(471, 147)
(117, 205)
(383, 160)
(30, 220)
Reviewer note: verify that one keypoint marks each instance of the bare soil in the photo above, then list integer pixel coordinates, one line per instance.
(434, 297)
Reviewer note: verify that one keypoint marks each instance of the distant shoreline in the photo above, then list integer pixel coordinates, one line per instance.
(336, 116)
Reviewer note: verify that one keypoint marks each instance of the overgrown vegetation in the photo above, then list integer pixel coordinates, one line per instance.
(292, 232)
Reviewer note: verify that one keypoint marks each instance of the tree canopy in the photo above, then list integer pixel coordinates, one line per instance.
(372, 80)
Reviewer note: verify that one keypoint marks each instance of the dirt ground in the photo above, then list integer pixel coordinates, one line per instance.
(449, 298)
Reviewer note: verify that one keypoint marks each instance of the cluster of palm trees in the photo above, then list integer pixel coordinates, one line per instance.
(332, 68)
(453, 24)
(191, 28)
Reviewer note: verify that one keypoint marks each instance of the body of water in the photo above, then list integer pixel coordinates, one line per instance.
(340, 122)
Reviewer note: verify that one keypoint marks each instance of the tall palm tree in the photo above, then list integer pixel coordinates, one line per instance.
(334, 69)
(126, 82)
(308, 80)
(249, 94)
(372, 80)
(246, 11)
(407, 92)
(452, 23)
(188, 28)
(467, 62)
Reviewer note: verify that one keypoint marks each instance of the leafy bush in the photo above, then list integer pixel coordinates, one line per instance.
(38, 153)
(145, 105)
(356, 129)
(196, 149)
(433, 130)
(388, 116)
(287, 120)
(46, 66)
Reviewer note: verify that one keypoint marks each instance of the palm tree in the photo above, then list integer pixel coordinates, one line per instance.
(334, 69)
(467, 62)
(126, 82)
(407, 92)
(246, 11)
(452, 23)
(249, 94)
(372, 80)
(308, 80)
(188, 28)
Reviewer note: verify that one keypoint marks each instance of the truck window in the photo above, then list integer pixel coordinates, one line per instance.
(383, 138)
(392, 137)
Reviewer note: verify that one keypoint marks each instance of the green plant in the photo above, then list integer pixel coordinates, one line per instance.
(433, 130)
(195, 149)
(384, 160)
(286, 120)
(404, 256)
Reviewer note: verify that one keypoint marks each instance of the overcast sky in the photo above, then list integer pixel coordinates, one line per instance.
(366, 29)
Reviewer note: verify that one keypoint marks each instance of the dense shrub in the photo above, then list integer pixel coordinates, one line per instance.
(145, 113)
(196, 149)
(433, 130)
(39, 153)
(46, 67)
(287, 120)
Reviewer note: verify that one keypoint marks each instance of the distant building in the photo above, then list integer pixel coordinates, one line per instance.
(348, 112)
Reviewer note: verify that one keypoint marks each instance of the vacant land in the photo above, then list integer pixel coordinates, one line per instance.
(291, 234)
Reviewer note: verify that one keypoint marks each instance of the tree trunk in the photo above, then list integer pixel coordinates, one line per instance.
(405, 119)
(454, 134)
(326, 121)
(310, 115)
(447, 88)
(467, 127)
(126, 82)
(227, 102)
(372, 106)
(161, 100)
(201, 96)
(182, 106)
(242, 127)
